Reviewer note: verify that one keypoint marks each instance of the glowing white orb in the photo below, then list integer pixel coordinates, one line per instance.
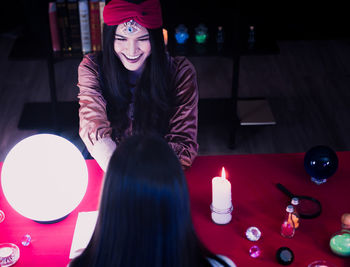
(44, 177)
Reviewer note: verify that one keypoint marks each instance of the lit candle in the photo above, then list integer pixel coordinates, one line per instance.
(221, 199)
(165, 36)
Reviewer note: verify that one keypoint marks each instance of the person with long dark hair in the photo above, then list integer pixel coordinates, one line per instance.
(144, 214)
(135, 87)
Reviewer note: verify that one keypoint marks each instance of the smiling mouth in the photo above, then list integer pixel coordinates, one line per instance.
(132, 59)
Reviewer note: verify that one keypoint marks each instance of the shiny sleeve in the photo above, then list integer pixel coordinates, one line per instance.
(94, 127)
(182, 135)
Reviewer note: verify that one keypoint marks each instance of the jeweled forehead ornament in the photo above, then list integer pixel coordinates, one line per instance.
(131, 27)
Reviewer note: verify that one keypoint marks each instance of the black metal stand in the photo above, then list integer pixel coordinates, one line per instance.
(52, 116)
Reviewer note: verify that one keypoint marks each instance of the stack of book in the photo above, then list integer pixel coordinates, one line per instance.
(76, 25)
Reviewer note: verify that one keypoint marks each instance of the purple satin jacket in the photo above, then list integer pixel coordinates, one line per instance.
(95, 129)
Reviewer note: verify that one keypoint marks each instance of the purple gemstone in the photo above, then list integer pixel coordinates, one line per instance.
(254, 252)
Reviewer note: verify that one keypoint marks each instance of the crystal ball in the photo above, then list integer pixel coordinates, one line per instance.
(320, 162)
(44, 177)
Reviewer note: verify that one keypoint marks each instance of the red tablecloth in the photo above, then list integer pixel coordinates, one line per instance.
(256, 200)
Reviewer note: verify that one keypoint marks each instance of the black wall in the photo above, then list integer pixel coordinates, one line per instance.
(297, 19)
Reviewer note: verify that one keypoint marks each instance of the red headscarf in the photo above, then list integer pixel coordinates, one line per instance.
(148, 13)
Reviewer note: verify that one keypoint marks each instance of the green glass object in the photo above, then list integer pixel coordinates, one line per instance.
(201, 38)
(201, 34)
(340, 241)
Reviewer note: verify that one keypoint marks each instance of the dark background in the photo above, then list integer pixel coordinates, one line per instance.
(283, 19)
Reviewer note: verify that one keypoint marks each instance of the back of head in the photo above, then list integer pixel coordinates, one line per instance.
(144, 216)
(145, 177)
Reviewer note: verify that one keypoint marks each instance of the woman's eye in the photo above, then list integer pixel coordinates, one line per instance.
(144, 39)
(120, 39)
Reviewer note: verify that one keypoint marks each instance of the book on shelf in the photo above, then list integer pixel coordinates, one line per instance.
(63, 25)
(74, 25)
(95, 26)
(84, 26)
(55, 38)
(102, 6)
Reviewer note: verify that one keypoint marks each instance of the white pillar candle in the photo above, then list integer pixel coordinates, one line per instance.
(221, 188)
(221, 199)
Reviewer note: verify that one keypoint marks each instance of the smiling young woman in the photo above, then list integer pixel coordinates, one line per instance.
(132, 45)
(135, 87)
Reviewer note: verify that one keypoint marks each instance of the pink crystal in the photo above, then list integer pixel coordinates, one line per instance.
(254, 252)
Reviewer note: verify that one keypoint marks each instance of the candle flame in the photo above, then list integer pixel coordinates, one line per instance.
(223, 173)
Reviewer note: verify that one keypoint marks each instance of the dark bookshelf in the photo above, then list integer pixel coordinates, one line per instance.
(234, 111)
(34, 43)
(53, 115)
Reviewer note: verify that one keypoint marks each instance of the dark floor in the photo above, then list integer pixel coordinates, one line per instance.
(307, 86)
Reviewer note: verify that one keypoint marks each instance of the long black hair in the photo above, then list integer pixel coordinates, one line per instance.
(144, 216)
(153, 93)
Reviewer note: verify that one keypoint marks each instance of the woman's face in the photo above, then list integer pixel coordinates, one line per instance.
(132, 45)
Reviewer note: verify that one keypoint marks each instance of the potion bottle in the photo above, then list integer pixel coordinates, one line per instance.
(220, 38)
(251, 37)
(220, 35)
(340, 241)
(287, 227)
(295, 214)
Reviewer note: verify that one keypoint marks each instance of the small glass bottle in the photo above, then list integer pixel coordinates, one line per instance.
(251, 37)
(201, 33)
(340, 241)
(220, 35)
(295, 214)
(181, 34)
(287, 227)
(220, 38)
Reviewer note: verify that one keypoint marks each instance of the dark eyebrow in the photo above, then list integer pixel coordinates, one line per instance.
(141, 37)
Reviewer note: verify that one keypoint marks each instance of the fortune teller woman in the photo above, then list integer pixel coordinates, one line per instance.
(134, 87)
(144, 217)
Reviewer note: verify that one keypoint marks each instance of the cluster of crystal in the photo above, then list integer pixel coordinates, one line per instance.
(26, 239)
(253, 233)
